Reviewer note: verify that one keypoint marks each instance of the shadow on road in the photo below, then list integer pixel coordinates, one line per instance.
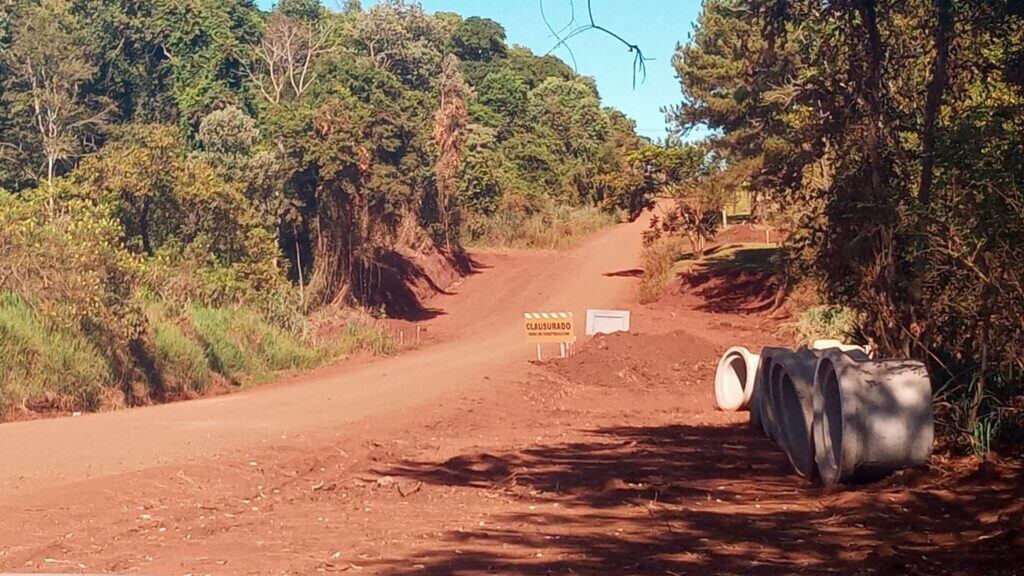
(698, 500)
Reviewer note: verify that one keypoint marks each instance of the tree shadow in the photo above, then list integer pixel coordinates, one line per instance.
(633, 273)
(686, 499)
(741, 282)
(395, 282)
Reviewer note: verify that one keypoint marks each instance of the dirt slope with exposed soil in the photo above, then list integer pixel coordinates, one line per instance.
(465, 458)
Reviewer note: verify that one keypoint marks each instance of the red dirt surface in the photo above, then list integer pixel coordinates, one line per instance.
(465, 458)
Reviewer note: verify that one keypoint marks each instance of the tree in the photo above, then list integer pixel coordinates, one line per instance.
(449, 137)
(284, 62)
(479, 40)
(227, 138)
(301, 10)
(505, 95)
(49, 63)
(205, 44)
(400, 37)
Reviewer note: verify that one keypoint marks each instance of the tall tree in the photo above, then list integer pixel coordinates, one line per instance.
(283, 63)
(449, 137)
(50, 62)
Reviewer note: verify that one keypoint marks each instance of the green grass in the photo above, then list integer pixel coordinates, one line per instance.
(557, 229)
(190, 346)
(659, 263)
(362, 333)
(37, 361)
(179, 359)
(243, 347)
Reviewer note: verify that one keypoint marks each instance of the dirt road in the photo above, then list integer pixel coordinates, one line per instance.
(464, 458)
(479, 327)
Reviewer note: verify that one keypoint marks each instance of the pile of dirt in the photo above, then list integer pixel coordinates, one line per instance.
(640, 360)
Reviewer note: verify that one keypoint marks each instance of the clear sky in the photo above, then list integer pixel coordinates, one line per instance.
(655, 25)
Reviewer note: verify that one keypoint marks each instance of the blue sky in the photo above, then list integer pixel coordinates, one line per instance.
(655, 25)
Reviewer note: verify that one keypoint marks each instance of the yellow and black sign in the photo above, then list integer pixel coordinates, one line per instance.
(544, 327)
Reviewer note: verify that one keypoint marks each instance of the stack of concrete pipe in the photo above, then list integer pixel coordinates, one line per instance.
(838, 414)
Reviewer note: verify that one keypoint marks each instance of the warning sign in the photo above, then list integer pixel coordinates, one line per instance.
(550, 327)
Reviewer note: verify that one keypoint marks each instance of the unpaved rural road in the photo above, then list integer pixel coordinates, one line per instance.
(464, 458)
(480, 332)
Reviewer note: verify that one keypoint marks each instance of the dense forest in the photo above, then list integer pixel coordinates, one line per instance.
(183, 183)
(888, 138)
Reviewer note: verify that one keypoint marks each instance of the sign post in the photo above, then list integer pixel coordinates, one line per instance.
(550, 327)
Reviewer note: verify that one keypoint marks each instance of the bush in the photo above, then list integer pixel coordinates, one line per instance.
(364, 333)
(659, 259)
(39, 363)
(826, 321)
(551, 228)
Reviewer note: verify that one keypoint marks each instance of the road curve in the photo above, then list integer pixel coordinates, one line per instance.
(480, 328)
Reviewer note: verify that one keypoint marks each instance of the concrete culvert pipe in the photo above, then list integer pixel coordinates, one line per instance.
(734, 379)
(762, 417)
(871, 417)
(792, 391)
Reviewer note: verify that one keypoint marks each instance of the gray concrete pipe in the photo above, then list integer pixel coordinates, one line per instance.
(871, 417)
(734, 379)
(792, 391)
(762, 418)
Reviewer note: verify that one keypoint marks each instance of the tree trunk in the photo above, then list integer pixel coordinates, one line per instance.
(943, 32)
(332, 250)
(872, 94)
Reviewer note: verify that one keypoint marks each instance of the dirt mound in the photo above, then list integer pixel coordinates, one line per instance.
(634, 359)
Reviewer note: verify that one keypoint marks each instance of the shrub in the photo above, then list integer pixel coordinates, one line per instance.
(38, 362)
(363, 333)
(659, 259)
(826, 321)
(557, 227)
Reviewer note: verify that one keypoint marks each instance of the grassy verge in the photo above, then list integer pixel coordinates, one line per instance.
(58, 369)
(659, 263)
(41, 364)
(557, 229)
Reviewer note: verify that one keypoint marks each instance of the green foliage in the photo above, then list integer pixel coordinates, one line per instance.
(205, 42)
(46, 365)
(479, 40)
(895, 169)
(48, 66)
(215, 173)
(362, 333)
(553, 228)
(826, 321)
(659, 259)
